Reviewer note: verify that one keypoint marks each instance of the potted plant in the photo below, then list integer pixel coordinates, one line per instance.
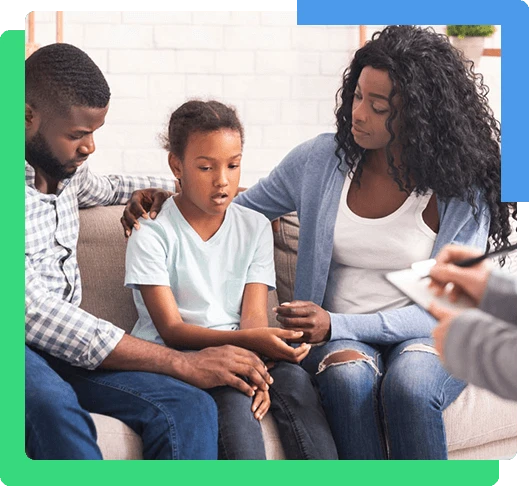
(470, 39)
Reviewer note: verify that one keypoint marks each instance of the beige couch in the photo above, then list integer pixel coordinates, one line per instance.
(479, 425)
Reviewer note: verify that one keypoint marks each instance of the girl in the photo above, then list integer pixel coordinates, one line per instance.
(201, 274)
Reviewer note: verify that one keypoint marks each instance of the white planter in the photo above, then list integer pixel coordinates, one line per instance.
(472, 47)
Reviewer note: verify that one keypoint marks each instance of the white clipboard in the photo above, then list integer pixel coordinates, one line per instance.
(413, 282)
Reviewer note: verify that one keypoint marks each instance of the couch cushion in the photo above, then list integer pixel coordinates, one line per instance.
(116, 440)
(478, 417)
(101, 256)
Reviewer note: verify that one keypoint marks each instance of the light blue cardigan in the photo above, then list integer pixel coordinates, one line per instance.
(309, 180)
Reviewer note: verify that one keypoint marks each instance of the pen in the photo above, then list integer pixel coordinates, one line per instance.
(422, 269)
(468, 262)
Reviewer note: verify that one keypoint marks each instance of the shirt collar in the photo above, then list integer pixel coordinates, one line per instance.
(30, 179)
(30, 175)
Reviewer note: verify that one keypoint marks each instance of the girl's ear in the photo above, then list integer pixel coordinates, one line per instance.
(175, 164)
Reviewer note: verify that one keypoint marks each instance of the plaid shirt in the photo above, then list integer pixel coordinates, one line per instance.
(54, 322)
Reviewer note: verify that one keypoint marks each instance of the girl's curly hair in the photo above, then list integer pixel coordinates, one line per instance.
(450, 139)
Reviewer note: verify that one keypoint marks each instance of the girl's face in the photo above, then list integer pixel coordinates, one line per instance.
(210, 171)
(371, 109)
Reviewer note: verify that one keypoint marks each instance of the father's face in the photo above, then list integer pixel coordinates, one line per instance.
(59, 144)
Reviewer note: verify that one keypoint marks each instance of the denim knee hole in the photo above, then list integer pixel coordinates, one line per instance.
(350, 356)
(420, 347)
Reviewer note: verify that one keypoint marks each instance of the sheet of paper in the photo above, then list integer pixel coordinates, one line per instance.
(412, 284)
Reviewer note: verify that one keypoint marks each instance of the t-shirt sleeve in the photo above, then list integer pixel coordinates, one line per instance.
(262, 268)
(146, 256)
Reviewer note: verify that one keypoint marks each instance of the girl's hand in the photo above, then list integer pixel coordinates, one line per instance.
(261, 404)
(270, 342)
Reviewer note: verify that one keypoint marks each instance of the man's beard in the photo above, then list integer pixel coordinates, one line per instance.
(40, 156)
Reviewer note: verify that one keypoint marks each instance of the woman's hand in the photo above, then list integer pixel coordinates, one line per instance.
(270, 342)
(142, 201)
(305, 316)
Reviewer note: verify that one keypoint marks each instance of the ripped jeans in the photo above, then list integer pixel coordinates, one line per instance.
(384, 401)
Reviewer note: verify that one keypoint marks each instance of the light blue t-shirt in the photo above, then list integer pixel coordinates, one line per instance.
(207, 277)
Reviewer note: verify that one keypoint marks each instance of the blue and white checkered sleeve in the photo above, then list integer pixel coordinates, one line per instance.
(63, 330)
(98, 190)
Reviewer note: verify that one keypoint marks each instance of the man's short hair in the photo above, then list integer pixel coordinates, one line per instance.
(59, 76)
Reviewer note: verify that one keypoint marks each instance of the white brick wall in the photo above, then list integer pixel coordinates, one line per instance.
(282, 78)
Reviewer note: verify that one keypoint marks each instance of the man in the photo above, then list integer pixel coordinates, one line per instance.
(72, 357)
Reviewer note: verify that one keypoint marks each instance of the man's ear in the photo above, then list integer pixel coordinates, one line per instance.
(32, 119)
(175, 164)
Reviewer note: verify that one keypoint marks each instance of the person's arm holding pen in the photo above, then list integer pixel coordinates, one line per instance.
(477, 345)
(491, 290)
(468, 280)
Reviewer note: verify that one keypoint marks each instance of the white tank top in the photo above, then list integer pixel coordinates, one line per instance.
(366, 249)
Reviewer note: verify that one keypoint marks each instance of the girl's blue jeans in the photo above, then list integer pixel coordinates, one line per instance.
(384, 401)
(175, 420)
(296, 407)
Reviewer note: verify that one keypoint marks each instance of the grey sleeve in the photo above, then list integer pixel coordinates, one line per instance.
(481, 349)
(500, 296)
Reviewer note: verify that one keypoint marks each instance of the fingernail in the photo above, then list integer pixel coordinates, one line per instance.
(127, 233)
(271, 380)
(285, 303)
(145, 216)
(153, 214)
(274, 309)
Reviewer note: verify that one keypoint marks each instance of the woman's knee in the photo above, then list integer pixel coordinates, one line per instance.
(416, 376)
(348, 369)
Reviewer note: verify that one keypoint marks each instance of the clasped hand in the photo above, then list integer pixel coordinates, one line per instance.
(306, 317)
(271, 342)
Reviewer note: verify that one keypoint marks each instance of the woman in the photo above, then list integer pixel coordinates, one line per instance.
(414, 165)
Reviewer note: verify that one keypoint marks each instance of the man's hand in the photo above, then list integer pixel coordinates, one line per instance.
(471, 281)
(445, 317)
(261, 404)
(305, 316)
(225, 365)
(142, 201)
(270, 342)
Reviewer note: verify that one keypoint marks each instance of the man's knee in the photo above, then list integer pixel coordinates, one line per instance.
(192, 401)
(47, 393)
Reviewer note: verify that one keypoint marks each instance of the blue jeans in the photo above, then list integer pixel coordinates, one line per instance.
(175, 420)
(296, 407)
(384, 401)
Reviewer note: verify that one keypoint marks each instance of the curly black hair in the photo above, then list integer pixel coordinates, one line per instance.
(198, 116)
(450, 139)
(59, 76)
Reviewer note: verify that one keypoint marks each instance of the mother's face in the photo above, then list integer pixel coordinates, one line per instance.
(371, 109)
